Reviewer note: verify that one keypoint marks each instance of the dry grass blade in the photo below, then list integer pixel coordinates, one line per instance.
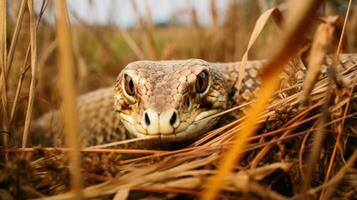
(149, 42)
(34, 73)
(86, 150)
(339, 130)
(267, 148)
(323, 45)
(339, 47)
(317, 142)
(340, 126)
(25, 66)
(117, 143)
(330, 186)
(260, 24)
(24, 69)
(3, 54)
(15, 36)
(122, 194)
(66, 69)
(146, 28)
(339, 176)
(299, 19)
(132, 44)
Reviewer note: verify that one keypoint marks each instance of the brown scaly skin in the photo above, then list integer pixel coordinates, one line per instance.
(160, 89)
(166, 90)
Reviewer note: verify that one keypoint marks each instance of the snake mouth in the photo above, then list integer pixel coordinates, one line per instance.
(185, 131)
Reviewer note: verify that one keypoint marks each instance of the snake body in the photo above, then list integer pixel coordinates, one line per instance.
(167, 100)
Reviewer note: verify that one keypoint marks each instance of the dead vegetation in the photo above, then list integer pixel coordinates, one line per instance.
(298, 150)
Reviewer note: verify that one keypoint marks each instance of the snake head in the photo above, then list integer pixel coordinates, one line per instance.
(172, 100)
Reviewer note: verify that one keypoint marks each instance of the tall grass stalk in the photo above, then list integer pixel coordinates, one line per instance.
(3, 54)
(340, 126)
(34, 72)
(15, 37)
(25, 65)
(10, 56)
(67, 88)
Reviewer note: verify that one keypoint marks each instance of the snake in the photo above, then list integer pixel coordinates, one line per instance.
(170, 101)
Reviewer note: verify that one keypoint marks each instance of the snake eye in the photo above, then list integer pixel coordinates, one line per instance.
(202, 82)
(129, 85)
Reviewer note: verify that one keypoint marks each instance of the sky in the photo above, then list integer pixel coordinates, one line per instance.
(120, 12)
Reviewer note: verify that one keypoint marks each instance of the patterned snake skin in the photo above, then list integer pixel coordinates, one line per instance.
(167, 100)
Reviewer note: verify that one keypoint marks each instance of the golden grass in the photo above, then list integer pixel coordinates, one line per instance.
(340, 126)
(16, 33)
(298, 19)
(3, 81)
(66, 69)
(33, 44)
(10, 57)
(258, 28)
(339, 47)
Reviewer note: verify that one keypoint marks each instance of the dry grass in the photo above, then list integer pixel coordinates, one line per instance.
(3, 81)
(299, 18)
(295, 153)
(68, 91)
(33, 44)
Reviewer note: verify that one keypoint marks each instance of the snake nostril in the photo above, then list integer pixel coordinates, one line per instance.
(173, 119)
(147, 119)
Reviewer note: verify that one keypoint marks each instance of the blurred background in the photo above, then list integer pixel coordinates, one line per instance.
(108, 34)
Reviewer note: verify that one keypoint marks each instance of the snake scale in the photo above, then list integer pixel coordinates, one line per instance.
(167, 100)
